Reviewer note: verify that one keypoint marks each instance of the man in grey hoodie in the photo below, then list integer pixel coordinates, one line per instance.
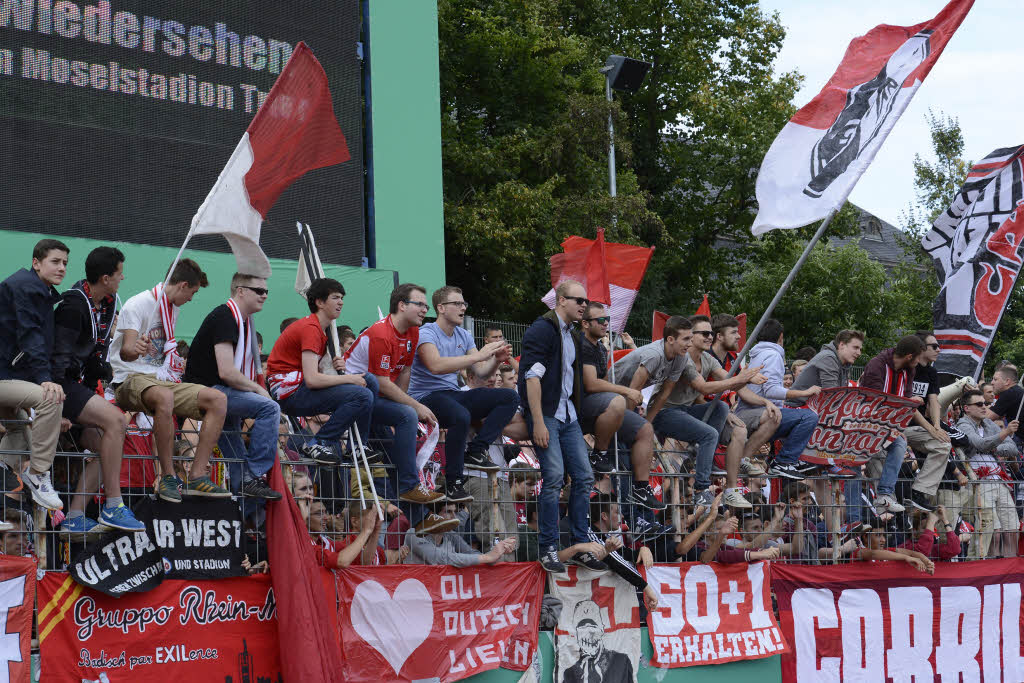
(830, 367)
(797, 425)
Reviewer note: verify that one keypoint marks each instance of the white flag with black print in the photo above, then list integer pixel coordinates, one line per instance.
(975, 244)
(822, 152)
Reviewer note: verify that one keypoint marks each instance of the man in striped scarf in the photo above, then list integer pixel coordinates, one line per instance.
(892, 371)
(224, 355)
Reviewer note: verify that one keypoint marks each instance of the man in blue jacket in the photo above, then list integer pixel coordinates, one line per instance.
(26, 342)
(550, 386)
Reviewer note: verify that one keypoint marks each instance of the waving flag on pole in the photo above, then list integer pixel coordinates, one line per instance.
(625, 266)
(975, 244)
(821, 153)
(295, 131)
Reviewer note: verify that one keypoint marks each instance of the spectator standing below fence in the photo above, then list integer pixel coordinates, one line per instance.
(892, 372)
(26, 383)
(928, 542)
(990, 445)
(449, 548)
(795, 425)
(550, 386)
(147, 377)
(444, 349)
(703, 375)
(1008, 395)
(83, 321)
(224, 355)
(493, 334)
(926, 434)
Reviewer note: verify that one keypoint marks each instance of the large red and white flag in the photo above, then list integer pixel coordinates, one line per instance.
(625, 266)
(976, 247)
(295, 131)
(821, 153)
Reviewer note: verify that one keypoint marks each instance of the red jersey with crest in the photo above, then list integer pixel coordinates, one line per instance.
(381, 350)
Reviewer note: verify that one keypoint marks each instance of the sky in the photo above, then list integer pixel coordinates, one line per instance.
(975, 80)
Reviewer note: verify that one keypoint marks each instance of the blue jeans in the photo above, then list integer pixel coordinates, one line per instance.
(347, 404)
(266, 416)
(456, 409)
(566, 452)
(395, 424)
(686, 423)
(891, 467)
(796, 428)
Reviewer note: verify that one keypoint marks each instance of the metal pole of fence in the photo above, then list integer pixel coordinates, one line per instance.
(369, 473)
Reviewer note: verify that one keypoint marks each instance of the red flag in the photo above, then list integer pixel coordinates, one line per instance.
(658, 325)
(295, 131)
(742, 318)
(625, 268)
(587, 265)
(704, 308)
(309, 651)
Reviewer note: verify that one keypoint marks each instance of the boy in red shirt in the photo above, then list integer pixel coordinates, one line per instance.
(386, 350)
(295, 381)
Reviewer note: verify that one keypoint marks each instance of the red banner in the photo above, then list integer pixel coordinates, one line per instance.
(855, 424)
(224, 630)
(712, 614)
(413, 622)
(17, 599)
(877, 621)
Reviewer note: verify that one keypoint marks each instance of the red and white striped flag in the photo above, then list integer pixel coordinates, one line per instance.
(822, 152)
(625, 266)
(295, 131)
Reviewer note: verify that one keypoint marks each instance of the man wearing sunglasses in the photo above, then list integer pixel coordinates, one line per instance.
(925, 434)
(444, 349)
(550, 385)
(224, 355)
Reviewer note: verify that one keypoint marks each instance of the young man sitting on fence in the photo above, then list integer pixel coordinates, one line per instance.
(147, 376)
(444, 348)
(83, 321)
(26, 383)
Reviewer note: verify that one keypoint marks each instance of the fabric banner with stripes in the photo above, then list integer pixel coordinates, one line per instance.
(17, 598)
(975, 244)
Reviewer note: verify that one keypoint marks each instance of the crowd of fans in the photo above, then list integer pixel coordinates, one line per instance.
(558, 455)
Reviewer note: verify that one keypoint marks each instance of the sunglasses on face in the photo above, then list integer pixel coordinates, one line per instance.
(580, 300)
(934, 347)
(603, 320)
(258, 291)
(704, 333)
(975, 403)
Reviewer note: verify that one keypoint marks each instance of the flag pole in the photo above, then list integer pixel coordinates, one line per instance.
(177, 258)
(752, 337)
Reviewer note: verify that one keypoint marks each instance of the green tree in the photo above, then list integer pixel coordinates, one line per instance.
(837, 288)
(525, 142)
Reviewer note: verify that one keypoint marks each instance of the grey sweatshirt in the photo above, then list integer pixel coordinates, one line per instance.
(824, 370)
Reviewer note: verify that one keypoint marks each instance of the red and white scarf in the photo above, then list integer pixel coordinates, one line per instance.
(174, 365)
(246, 349)
(895, 381)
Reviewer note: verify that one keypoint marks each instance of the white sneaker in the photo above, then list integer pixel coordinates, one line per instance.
(42, 489)
(734, 498)
(887, 503)
(751, 468)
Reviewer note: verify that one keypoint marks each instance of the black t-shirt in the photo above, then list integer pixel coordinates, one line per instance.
(1008, 404)
(219, 327)
(926, 383)
(594, 354)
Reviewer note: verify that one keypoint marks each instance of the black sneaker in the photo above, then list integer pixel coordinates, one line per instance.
(549, 560)
(704, 499)
(786, 471)
(474, 460)
(456, 493)
(257, 488)
(600, 462)
(644, 497)
(321, 454)
(588, 560)
(645, 531)
(373, 456)
(920, 501)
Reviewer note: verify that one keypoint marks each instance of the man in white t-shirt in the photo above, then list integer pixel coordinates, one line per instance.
(444, 348)
(147, 377)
